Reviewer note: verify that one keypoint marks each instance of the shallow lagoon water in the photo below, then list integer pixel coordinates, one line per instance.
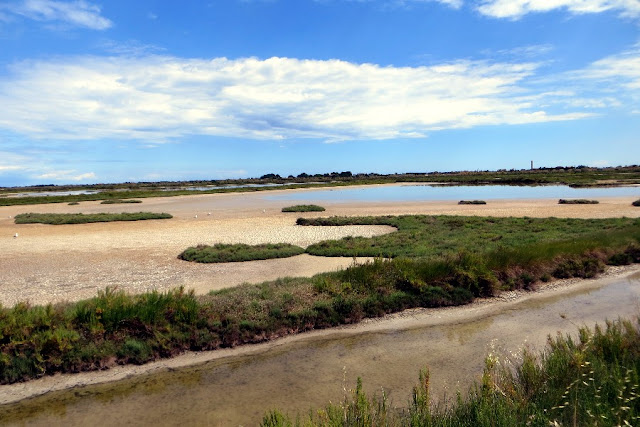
(412, 193)
(307, 373)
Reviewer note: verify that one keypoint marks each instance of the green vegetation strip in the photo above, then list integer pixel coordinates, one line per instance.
(589, 381)
(119, 201)
(117, 328)
(303, 208)
(79, 218)
(239, 252)
(577, 202)
(472, 202)
(435, 236)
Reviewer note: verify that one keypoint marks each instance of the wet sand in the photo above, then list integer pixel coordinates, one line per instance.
(71, 262)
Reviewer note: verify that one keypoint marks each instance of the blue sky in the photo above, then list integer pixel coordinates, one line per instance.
(113, 91)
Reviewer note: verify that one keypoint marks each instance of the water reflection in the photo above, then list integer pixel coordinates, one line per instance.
(398, 193)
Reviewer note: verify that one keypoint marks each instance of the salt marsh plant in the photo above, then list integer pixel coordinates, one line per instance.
(239, 252)
(577, 202)
(303, 208)
(472, 202)
(119, 201)
(80, 218)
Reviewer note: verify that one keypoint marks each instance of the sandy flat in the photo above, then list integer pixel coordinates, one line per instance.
(56, 263)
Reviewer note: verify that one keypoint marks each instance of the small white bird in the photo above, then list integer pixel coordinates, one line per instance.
(263, 210)
(15, 236)
(209, 214)
(196, 216)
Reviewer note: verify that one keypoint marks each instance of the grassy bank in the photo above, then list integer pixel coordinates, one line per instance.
(115, 328)
(303, 208)
(589, 380)
(239, 252)
(79, 218)
(435, 236)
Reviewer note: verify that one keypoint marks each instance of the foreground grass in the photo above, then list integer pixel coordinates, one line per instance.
(239, 252)
(592, 380)
(79, 218)
(303, 208)
(117, 328)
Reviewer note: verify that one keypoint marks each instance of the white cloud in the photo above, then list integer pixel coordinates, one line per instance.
(67, 175)
(619, 70)
(155, 98)
(77, 13)
(456, 4)
(13, 162)
(515, 9)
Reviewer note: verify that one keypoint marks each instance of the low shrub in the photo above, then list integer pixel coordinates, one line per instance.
(74, 203)
(636, 203)
(577, 202)
(239, 252)
(472, 202)
(303, 208)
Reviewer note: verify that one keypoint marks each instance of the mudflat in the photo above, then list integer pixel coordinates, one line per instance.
(48, 263)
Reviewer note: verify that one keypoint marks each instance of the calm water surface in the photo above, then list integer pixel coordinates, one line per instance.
(308, 373)
(409, 193)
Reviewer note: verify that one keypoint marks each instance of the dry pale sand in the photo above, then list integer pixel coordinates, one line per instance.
(70, 262)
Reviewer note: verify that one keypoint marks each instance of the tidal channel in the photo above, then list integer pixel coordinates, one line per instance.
(307, 372)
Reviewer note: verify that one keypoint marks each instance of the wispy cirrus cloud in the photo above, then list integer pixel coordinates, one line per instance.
(156, 98)
(66, 176)
(78, 13)
(515, 9)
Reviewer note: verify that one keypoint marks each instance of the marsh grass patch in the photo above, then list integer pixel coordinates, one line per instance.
(239, 252)
(472, 202)
(80, 218)
(303, 208)
(577, 202)
(119, 201)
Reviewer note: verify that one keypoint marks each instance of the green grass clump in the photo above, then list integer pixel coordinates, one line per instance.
(590, 380)
(79, 218)
(636, 202)
(303, 208)
(119, 201)
(435, 236)
(472, 202)
(577, 202)
(239, 252)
